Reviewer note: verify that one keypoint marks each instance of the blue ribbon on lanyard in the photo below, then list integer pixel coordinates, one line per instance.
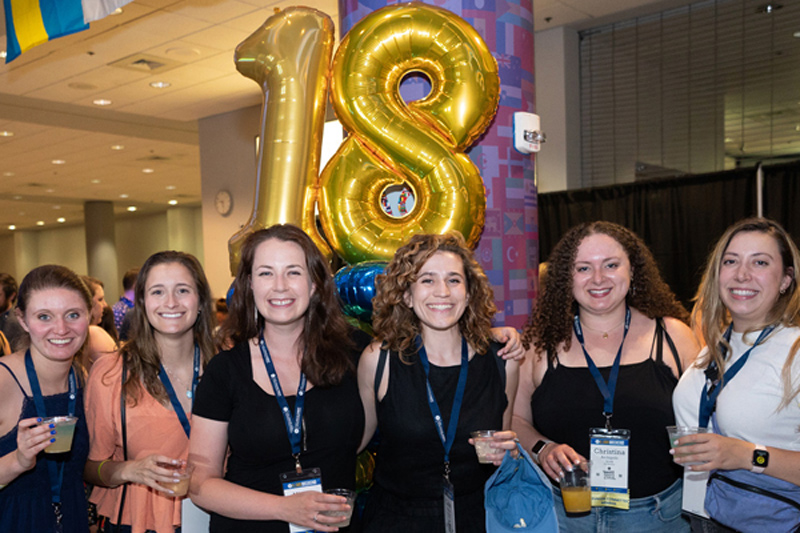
(712, 386)
(54, 471)
(606, 389)
(173, 398)
(450, 437)
(293, 426)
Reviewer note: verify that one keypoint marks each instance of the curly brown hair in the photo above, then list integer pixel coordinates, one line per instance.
(550, 322)
(395, 323)
(326, 343)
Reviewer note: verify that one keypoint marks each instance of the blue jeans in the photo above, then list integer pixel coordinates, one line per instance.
(660, 513)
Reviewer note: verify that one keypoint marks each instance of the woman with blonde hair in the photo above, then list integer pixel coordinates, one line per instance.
(431, 378)
(746, 382)
(139, 401)
(42, 491)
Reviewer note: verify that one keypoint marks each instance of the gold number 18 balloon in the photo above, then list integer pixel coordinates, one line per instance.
(419, 144)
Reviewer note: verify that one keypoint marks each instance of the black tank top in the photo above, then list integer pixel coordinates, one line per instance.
(567, 403)
(410, 455)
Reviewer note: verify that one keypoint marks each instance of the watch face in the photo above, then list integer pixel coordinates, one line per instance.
(760, 458)
(538, 446)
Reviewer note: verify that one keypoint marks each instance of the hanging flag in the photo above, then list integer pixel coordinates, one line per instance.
(32, 22)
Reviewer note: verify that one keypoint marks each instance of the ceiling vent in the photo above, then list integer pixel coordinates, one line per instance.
(154, 158)
(146, 63)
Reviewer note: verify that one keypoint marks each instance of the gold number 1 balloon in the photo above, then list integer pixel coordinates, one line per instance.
(289, 57)
(419, 144)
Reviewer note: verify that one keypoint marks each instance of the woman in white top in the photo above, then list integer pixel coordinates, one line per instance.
(749, 288)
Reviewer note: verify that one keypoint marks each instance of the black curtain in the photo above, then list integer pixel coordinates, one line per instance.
(680, 219)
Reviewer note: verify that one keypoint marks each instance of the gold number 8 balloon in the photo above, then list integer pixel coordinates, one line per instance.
(419, 144)
(390, 143)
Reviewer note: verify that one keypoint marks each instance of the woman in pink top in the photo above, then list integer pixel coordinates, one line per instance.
(171, 343)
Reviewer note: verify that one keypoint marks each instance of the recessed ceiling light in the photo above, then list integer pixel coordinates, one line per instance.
(117, 11)
(6, 133)
(3, 54)
(148, 170)
(171, 187)
(131, 208)
(101, 102)
(796, 34)
(12, 227)
(50, 190)
(8, 174)
(117, 147)
(56, 207)
(95, 181)
(123, 195)
(40, 222)
(58, 161)
(160, 84)
(173, 202)
(17, 197)
(61, 220)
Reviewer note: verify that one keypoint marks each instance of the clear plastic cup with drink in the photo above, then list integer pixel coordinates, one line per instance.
(345, 515)
(65, 431)
(483, 444)
(576, 489)
(676, 432)
(182, 475)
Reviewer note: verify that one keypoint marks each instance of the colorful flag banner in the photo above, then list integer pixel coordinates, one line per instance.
(32, 22)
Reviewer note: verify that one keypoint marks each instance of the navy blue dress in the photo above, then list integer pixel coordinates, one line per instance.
(25, 504)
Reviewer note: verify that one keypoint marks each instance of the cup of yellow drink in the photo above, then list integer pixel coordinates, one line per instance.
(65, 430)
(576, 490)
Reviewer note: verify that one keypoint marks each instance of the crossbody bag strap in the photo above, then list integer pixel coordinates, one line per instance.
(124, 439)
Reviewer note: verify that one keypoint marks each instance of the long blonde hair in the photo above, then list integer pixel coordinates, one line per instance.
(711, 315)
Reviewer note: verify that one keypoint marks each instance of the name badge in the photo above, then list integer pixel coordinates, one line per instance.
(449, 507)
(609, 452)
(305, 481)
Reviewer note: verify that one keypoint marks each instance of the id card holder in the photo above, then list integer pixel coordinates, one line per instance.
(449, 507)
(307, 480)
(609, 452)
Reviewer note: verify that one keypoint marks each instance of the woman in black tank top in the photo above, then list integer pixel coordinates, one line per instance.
(603, 304)
(432, 320)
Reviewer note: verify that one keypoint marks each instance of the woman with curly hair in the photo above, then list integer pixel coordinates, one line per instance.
(134, 453)
(430, 379)
(608, 342)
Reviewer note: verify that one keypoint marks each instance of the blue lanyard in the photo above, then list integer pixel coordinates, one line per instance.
(447, 440)
(293, 426)
(606, 389)
(708, 398)
(173, 398)
(55, 471)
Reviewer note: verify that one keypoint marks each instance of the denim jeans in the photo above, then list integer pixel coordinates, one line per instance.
(660, 513)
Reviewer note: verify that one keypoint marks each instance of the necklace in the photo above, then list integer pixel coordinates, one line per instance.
(179, 380)
(605, 333)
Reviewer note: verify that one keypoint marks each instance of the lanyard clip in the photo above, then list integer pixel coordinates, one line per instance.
(608, 420)
(297, 466)
(447, 470)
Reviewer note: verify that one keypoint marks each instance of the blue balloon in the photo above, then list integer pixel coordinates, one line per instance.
(356, 286)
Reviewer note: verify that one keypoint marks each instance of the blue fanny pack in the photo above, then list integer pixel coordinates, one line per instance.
(750, 502)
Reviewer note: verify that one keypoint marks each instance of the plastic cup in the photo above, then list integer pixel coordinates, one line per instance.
(182, 476)
(65, 430)
(344, 515)
(676, 432)
(576, 489)
(483, 448)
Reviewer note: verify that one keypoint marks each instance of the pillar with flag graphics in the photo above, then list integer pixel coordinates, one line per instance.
(32, 22)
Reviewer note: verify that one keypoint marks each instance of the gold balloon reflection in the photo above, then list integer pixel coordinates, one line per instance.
(420, 143)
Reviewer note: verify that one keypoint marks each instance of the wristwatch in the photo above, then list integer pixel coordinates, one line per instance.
(538, 447)
(760, 459)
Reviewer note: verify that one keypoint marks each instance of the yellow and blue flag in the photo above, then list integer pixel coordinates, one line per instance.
(32, 22)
